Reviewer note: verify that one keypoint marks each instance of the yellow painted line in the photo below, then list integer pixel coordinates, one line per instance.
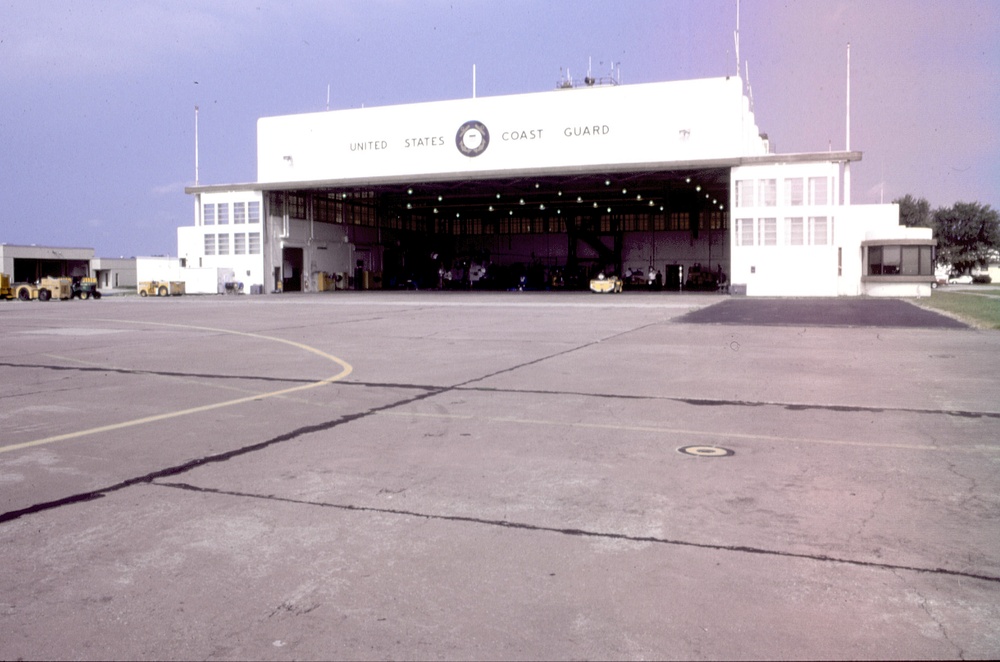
(346, 369)
(687, 433)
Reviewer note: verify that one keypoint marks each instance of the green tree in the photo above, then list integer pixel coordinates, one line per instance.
(968, 235)
(914, 213)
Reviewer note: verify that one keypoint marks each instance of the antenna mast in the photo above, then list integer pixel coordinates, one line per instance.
(847, 164)
(736, 37)
(196, 145)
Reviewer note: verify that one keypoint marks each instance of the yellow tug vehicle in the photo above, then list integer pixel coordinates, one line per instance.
(43, 290)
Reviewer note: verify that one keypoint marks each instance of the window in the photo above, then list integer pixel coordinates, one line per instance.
(253, 211)
(744, 193)
(239, 212)
(794, 233)
(818, 191)
(223, 244)
(209, 244)
(744, 232)
(296, 205)
(254, 238)
(680, 220)
(208, 215)
(900, 260)
(223, 213)
(768, 192)
(239, 244)
(820, 237)
(793, 191)
(768, 228)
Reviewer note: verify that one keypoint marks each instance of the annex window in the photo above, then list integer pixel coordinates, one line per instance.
(223, 244)
(208, 214)
(793, 191)
(223, 218)
(744, 232)
(819, 191)
(209, 244)
(254, 242)
(900, 260)
(768, 192)
(768, 228)
(240, 243)
(253, 211)
(744, 193)
(239, 212)
(795, 232)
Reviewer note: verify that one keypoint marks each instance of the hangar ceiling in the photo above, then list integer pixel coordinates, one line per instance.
(569, 195)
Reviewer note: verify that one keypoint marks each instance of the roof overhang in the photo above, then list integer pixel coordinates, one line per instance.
(519, 173)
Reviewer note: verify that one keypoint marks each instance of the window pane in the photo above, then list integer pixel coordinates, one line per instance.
(223, 213)
(819, 230)
(769, 192)
(223, 244)
(874, 260)
(239, 212)
(796, 234)
(793, 191)
(254, 211)
(818, 190)
(768, 231)
(254, 243)
(891, 257)
(911, 260)
(744, 193)
(745, 231)
(925, 261)
(239, 244)
(208, 215)
(209, 244)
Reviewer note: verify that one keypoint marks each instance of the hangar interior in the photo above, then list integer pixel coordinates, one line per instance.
(531, 232)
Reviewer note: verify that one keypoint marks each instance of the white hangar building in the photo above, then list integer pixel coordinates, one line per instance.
(548, 189)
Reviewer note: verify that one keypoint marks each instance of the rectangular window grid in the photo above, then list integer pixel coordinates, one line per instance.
(254, 240)
(209, 244)
(239, 212)
(208, 214)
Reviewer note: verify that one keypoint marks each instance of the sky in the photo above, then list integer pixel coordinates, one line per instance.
(97, 99)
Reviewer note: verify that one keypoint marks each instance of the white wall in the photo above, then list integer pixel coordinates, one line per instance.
(157, 268)
(247, 267)
(626, 124)
(786, 240)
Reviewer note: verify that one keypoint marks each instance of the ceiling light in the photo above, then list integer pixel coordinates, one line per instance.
(698, 187)
(687, 179)
(409, 191)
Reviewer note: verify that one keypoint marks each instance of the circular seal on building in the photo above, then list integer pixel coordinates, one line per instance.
(472, 138)
(705, 451)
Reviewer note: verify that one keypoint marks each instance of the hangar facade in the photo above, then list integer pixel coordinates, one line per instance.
(545, 190)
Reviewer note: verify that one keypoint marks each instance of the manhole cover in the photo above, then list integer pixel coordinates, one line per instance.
(705, 451)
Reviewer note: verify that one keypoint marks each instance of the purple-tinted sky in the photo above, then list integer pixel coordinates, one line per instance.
(97, 102)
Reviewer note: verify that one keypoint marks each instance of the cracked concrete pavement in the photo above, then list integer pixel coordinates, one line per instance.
(484, 476)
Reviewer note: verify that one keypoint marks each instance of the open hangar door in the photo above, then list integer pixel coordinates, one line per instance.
(552, 232)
